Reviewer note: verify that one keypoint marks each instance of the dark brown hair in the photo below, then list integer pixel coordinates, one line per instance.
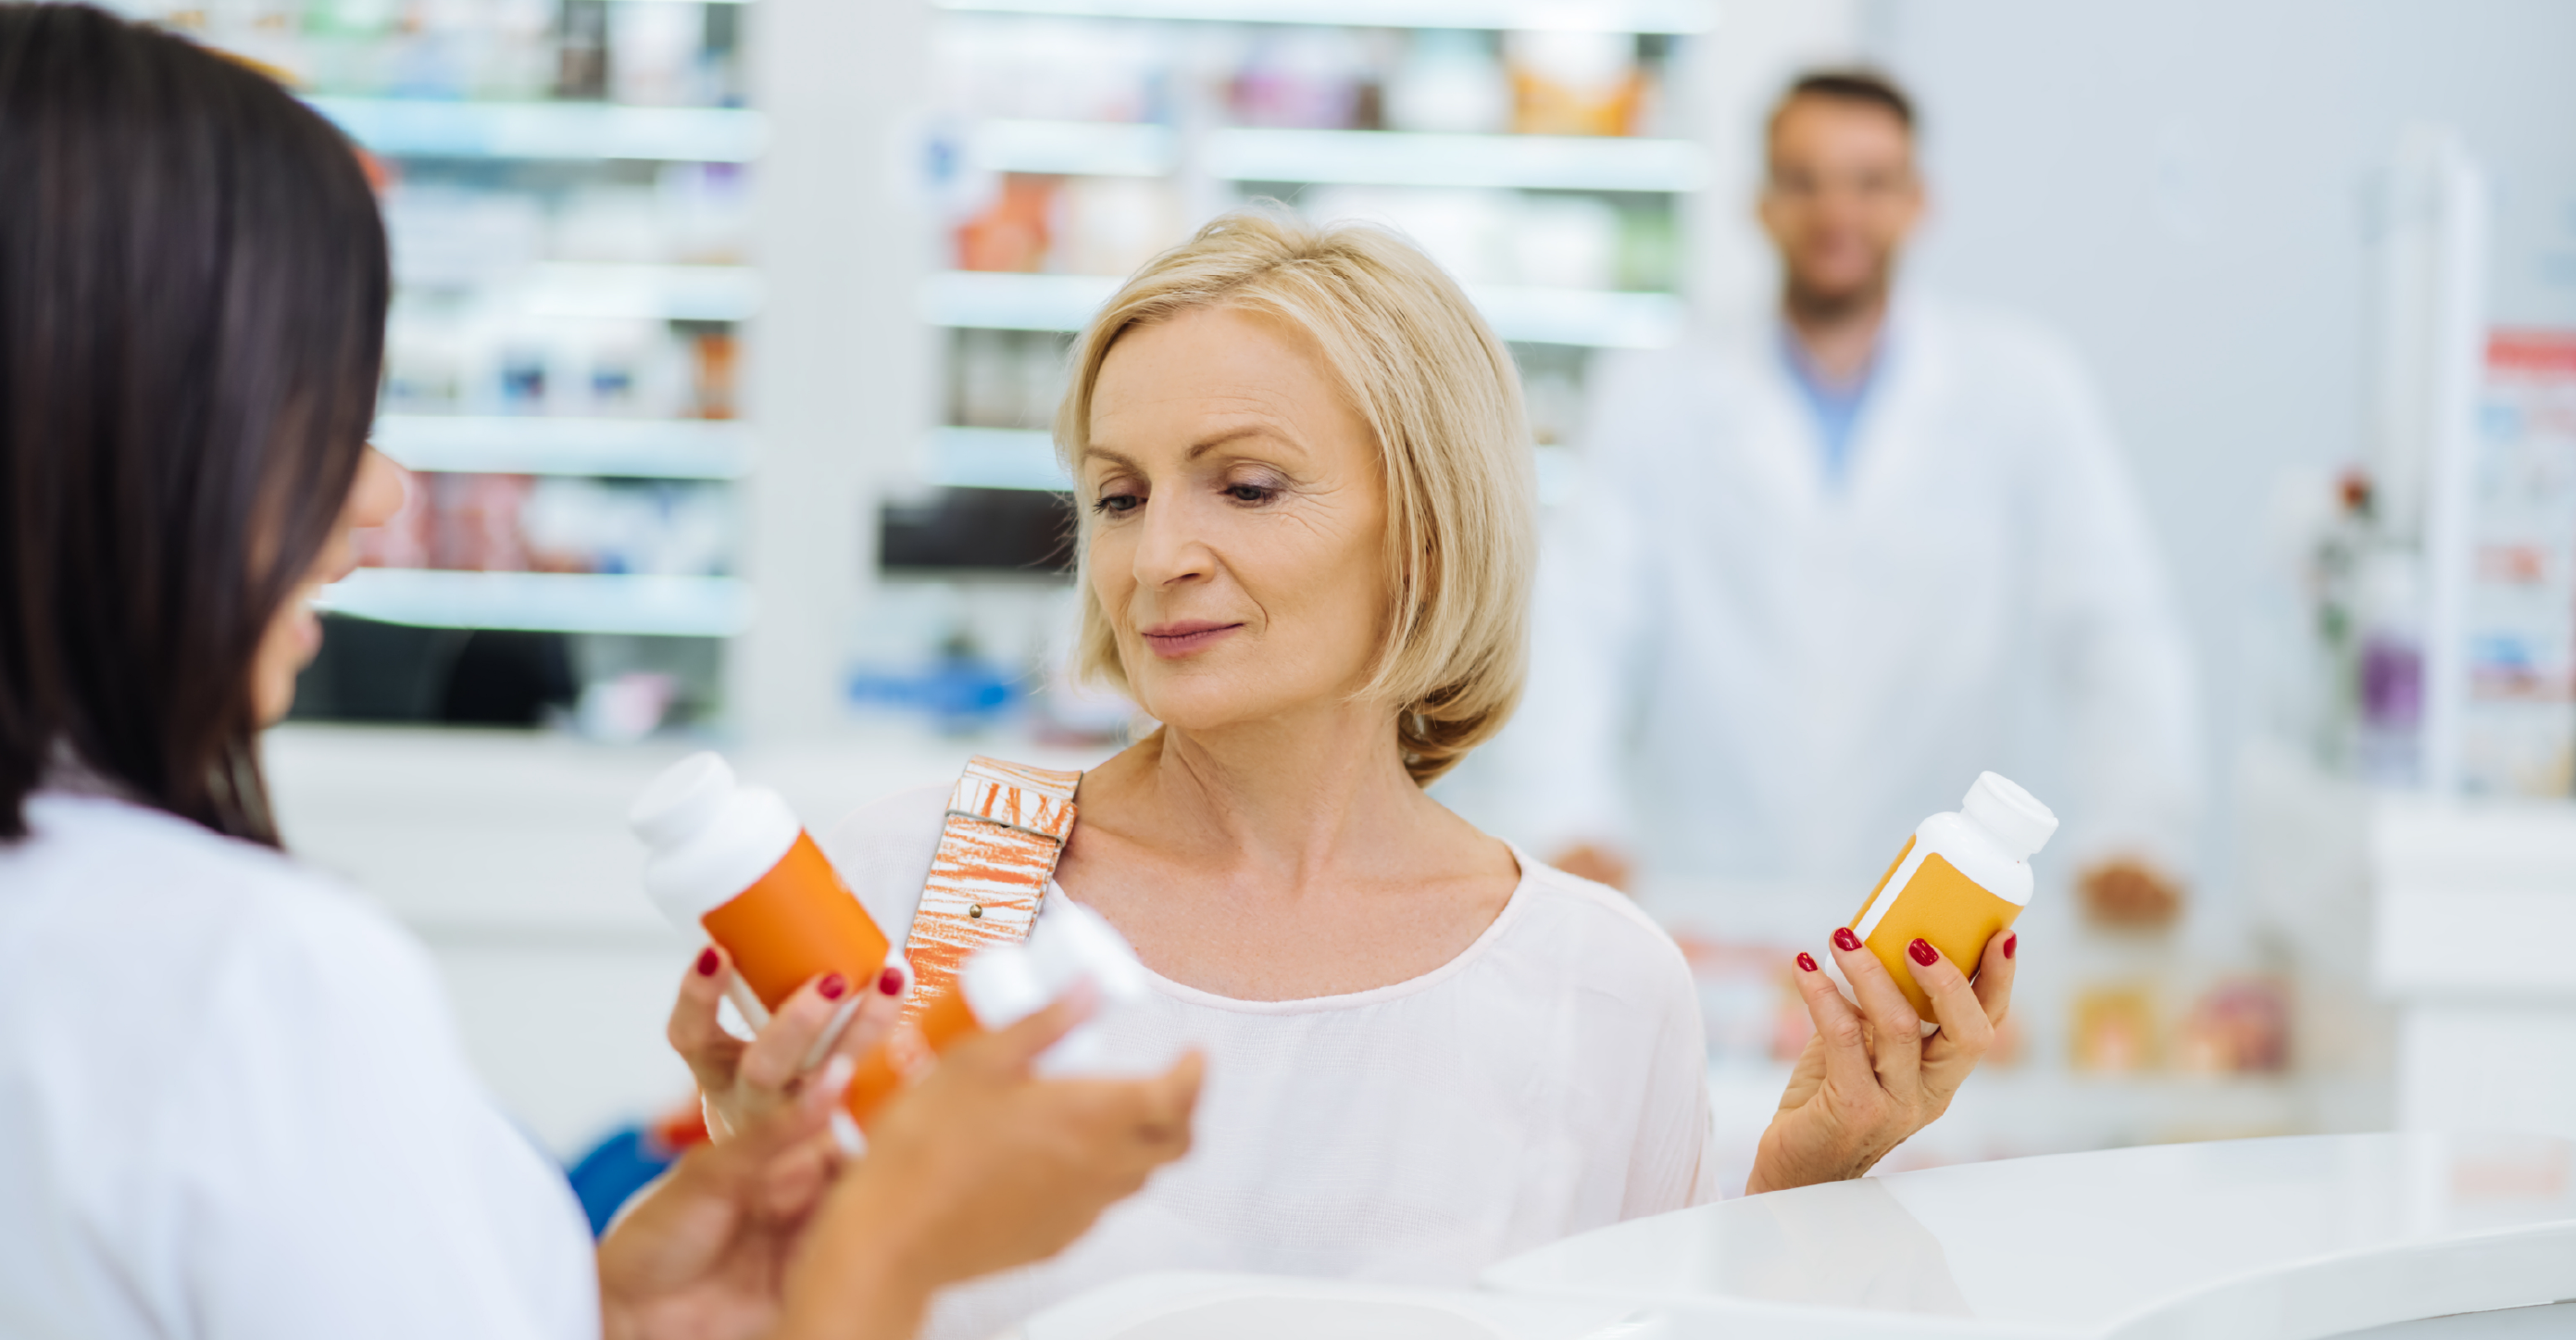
(1854, 85)
(192, 299)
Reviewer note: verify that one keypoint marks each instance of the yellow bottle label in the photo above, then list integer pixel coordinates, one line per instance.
(1943, 906)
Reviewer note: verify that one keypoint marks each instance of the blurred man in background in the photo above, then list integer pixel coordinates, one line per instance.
(1823, 563)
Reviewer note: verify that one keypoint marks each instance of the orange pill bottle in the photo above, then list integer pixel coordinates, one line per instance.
(732, 860)
(1962, 878)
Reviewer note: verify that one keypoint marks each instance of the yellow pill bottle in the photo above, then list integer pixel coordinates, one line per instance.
(1959, 881)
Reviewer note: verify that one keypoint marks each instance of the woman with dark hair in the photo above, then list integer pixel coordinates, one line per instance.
(231, 1101)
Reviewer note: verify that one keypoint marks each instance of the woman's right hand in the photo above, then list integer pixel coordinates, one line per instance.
(980, 1167)
(742, 1082)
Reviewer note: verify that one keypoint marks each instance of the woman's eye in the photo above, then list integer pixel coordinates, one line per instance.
(1117, 504)
(1251, 493)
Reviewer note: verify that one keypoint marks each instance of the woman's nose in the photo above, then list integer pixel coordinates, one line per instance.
(380, 492)
(1170, 549)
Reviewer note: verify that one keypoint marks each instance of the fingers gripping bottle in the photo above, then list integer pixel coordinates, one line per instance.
(732, 860)
(1005, 983)
(1962, 878)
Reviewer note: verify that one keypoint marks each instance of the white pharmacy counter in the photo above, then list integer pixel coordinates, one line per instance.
(2392, 1237)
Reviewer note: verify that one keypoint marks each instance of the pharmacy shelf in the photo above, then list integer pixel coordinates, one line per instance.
(576, 131)
(515, 445)
(1391, 158)
(1074, 148)
(545, 601)
(640, 292)
(1024, 458)
(1614, 16)
(995, 458)
(1348, 157)
(996, 301)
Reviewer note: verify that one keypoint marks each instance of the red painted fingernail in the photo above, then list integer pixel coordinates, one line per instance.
(708, 961)
(833, 987)
(1844, 940)
(2011, 943)
(890, 982)
(1807, 962)
(1923, 952)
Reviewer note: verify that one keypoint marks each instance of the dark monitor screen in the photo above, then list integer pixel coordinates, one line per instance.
(977, 530)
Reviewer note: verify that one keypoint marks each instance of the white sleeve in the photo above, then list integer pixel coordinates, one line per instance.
(340, 1170)
(2115, 640)
(1674, 1167)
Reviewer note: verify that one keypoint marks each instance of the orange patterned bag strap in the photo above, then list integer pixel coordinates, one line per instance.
(1006, 826)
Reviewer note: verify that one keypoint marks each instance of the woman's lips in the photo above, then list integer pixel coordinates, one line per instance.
(1174, 640)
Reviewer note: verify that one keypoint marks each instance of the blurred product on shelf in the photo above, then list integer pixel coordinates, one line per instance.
(715, 364)
(517, 523)
(581, 52)
(2518, 729)
(1449, 82)
(455, 233)
(622, 709)
(1491, 237)
(2240, 1026)
(671, 53)
(2128, 894)
(1045, 69)
(465, 360)
(1113, 225)
(2115, 1030)
(1294, 77)
(1574, 83)
(2355, 694)
(1011, 232)
(1305, 79)
(1079, 225)
(1006, 378)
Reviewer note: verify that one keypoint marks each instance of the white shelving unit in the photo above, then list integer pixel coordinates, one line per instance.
(561, 602)
(569, 131)
(995, 301)
(644, 292)
(1612, 16)
(578, 134)
(1346, 157)
(627, 448)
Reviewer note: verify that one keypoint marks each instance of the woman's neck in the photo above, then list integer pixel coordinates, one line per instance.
(1293, 795)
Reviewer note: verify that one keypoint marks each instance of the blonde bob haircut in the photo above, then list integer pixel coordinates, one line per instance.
(1442, 399)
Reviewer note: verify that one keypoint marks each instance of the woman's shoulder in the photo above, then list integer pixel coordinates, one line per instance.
(97, 858)
(225, 952)
(883, 851)
(1613, 935)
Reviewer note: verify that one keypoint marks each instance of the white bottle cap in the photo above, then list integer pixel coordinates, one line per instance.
(2014, 816)
(1002, 985)
(709, 837)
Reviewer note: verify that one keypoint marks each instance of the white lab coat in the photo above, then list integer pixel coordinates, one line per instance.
(1744, 671)
(233, 1107)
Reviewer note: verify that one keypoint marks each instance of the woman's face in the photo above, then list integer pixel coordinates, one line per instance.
(296, 634)
(1237, 545)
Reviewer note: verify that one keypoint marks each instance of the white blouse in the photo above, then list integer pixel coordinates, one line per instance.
(1548, 1080)
(232, 1104)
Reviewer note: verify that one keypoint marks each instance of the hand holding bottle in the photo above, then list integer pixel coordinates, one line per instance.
(1870, 1077)
(742, 1081)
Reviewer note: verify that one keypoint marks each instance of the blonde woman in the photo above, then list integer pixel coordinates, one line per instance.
(1306, 548)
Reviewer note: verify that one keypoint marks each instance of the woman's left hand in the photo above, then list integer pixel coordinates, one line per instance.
(703, 1253)
(1869, 1078)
